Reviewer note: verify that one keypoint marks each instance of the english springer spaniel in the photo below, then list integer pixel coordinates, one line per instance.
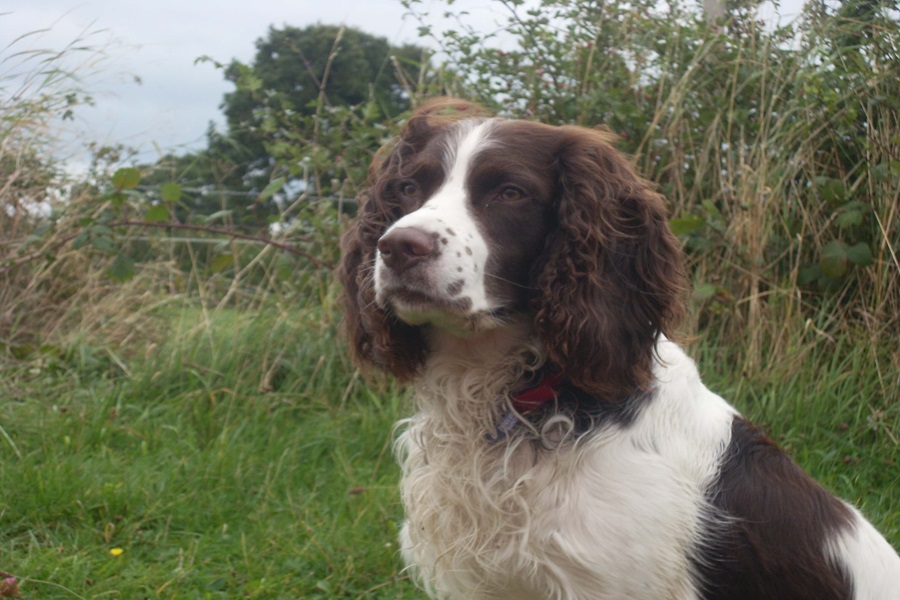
(523, 277)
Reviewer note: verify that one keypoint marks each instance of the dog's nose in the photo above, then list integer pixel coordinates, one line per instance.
(405, 247)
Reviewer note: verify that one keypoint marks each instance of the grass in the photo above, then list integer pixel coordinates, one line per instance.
(241, 457)
(211, 487)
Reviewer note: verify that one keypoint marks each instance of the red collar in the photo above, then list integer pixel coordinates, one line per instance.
(537, 395)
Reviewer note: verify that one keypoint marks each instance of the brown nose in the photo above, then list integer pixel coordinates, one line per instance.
(405, 247)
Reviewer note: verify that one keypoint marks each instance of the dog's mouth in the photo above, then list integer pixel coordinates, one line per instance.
(418, 307)
(414, 305)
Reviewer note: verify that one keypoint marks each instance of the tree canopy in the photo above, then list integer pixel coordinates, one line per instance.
(294, 66)
(301, 84)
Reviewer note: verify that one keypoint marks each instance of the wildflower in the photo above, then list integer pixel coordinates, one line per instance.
(116, 551)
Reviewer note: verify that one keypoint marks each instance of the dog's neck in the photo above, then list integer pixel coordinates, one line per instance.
(481, 348)
(469, 379)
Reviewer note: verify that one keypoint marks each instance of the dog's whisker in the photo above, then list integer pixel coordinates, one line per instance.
(510, 282)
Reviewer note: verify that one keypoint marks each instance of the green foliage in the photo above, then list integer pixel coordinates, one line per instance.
(571, 61)
(776, 147)
(296, 69)
(303, 86)
(317, 103)
(304, 120)
(126, 178)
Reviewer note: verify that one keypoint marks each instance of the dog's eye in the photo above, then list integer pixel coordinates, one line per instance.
(408, 188)
(510, 194)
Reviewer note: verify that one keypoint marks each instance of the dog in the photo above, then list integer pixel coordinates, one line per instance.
(524, 279)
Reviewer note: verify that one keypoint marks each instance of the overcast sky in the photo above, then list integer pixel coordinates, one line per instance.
(147, 89)
(149, 93)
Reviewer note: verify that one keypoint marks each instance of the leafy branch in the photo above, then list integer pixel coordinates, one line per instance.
(99, 231)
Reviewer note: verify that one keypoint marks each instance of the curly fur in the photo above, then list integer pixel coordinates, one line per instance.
(611, 280)
(491, 521)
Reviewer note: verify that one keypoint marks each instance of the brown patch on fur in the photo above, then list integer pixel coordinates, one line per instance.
(455, 288)
(777, 519)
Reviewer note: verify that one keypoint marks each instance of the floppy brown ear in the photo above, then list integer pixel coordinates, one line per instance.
(377, 338)
(611, 278)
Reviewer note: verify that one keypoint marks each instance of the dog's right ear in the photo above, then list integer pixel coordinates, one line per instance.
(378, 338)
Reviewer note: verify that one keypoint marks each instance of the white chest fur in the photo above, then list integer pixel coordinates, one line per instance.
(612, 515)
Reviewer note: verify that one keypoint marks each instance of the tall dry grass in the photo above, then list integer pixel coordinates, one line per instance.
(52, 287)
(797, 156)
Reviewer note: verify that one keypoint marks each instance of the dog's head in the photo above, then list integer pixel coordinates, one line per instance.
(470, 222)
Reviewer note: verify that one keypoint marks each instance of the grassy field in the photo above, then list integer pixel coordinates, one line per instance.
(241, 456)
(239, 459)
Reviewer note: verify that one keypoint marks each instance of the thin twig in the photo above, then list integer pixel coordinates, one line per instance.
(225, 232)
(12, 264)
(182, 226)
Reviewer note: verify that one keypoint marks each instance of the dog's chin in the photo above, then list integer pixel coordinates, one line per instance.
(454, 316)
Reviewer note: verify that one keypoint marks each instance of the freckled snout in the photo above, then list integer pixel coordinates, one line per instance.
(405, 247)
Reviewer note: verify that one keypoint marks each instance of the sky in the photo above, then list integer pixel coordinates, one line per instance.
(149, 91)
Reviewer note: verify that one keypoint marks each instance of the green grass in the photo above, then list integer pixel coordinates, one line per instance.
(241, 458)
(211, 487)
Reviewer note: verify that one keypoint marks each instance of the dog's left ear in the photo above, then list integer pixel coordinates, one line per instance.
(611, 278)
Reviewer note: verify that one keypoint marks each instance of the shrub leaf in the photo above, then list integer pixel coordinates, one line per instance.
(126, 178)
(170, 192)
(157, 214)
(686, 225)
(860, 255)
(833, 261)
(122, 268)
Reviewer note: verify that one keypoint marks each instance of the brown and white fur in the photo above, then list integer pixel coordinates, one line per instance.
(488, 252)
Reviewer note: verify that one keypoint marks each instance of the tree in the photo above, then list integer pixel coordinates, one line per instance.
(292, 66)
(298, 73)
(310, 109)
